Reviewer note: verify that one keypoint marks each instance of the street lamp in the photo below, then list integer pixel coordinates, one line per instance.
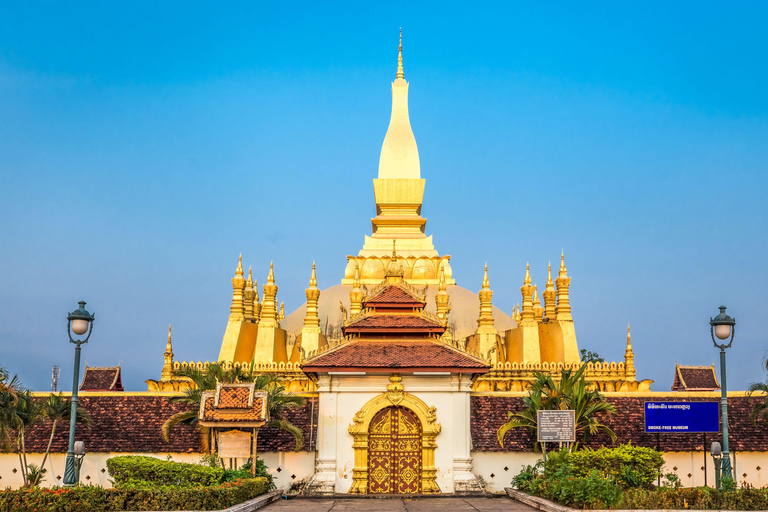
(79, 322)
(722, 327)
(717, 457)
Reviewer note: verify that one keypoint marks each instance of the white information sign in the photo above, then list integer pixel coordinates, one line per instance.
(556, 426)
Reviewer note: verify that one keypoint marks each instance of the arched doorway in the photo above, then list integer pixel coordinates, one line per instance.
(394, 452)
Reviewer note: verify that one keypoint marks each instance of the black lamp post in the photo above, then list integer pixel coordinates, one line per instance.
(722, 327)
(79, 322)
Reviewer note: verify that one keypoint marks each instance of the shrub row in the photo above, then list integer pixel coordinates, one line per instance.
(629, 466)
(701, 498)
(98, 499)
(134, 468)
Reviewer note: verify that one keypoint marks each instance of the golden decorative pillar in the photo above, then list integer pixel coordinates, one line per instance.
(629, 359)
(356, 295)
(563, 315)
(167, 373)
(485, 341)
(522, 342)
(442, 300)
(271, 339)
(310, 338)
(237, 310)
(235, 343)
(538, 311)
(550, 296)
(249, 296)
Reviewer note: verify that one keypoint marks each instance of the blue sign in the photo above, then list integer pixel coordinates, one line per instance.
(682, 417)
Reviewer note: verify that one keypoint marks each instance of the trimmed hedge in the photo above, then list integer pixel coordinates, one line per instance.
(130, 469)
(98, 499)
(629, 466)
(701, 498)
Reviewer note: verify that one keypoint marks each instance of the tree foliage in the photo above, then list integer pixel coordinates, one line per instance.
(569, 392)
(587, 356)
(278, 399)
(760, 411)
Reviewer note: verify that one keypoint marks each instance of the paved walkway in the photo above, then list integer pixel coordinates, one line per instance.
(400, 505)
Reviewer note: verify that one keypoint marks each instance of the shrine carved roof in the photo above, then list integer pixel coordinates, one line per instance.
(233, 405)
(695, 378)
(101, 378)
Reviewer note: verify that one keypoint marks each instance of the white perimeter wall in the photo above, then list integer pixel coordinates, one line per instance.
(486, 464)
(300, 465)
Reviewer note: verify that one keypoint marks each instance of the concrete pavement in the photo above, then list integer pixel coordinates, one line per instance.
(456, 504)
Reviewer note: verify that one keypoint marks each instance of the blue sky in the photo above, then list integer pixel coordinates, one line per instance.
(143, 146)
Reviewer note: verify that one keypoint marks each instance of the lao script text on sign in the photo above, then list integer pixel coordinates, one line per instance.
(556, 426)
(682, 417)
(235, 445)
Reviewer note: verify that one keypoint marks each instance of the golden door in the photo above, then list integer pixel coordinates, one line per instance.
(394, 452)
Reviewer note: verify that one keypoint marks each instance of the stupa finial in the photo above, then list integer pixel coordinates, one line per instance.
(313, 278)
(527, 279)
(239, 270)
(486, 284)
(400, 73)
(271, 276)
(169, 346)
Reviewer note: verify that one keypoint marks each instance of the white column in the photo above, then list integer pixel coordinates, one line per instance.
(324, 480)
(464, 481)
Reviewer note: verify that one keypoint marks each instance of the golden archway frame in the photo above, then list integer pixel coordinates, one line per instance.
(395, 395)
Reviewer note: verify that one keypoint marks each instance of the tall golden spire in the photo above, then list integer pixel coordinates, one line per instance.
(485, 323)
(313, 277)
(537, 309)
(486, 284)
(356, 295)
(248, 296)
(550, 296)
(313, 295)
(526, 290)
(400, 73)
(629, 358)
(269, 312)
(167, 373)
(237, 309)
(563, 308)
(441, 300)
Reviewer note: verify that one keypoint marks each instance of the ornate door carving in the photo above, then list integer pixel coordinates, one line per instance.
(394, 452)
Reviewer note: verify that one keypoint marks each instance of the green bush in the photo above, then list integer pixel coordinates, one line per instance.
(135, 469)
(701, 498)
(629, 466)
(98, 499)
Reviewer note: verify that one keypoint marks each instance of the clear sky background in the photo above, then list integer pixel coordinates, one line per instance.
(143, 146)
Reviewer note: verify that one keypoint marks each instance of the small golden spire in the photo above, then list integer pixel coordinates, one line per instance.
(167, 373)
(249, 281)
(629, 358)
(527, 279)
(550, 295)
(563, 271)
(239, 271)
(486, 284)
(400, 73)
(282, 311)
(313, 278)
(169, 346)
(441, 286)
(536, 300)
(356, 282)
(271, 276)
(629, 339)
(550, 284)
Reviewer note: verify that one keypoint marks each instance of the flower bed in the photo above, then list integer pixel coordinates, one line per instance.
(98, 499)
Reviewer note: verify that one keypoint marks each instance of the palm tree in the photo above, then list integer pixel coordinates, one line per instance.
(760, 412)
(278, 400)
(57, 409)
(9, 398)
(571, 392)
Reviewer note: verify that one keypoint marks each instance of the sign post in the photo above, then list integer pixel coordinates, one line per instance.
(681, 417)
(555, 426)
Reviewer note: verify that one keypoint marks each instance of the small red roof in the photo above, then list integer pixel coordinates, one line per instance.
(233, 405)
(695, 378)
(394, 295)
(423, 355)
(106, 378)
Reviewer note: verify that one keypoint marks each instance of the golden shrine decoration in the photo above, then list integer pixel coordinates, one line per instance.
(418, 424)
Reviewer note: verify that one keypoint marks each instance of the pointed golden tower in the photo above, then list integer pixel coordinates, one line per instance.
(522, 342)
(538, 311)
(486, 337)
(629, 359)
(356, 296)
(442, 300)
(310, 338)
(249, 296)
(550, 296)
(167, 373)
(563, 315)
(237, 310)
(239, 335)
(270, 343)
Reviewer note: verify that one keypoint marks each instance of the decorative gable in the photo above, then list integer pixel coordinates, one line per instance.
(102, 378)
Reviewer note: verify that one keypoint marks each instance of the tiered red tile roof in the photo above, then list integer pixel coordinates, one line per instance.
(394, 332)
(695, 378)
(101, 378)
(422, 355)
